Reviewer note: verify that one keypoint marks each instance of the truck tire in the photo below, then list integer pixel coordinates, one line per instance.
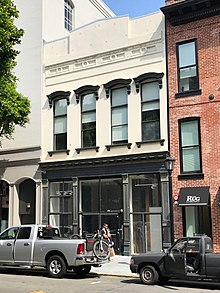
(56, 266)
(82, 270)
(149, 275)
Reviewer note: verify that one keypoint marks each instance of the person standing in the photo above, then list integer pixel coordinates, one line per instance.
(106, 234)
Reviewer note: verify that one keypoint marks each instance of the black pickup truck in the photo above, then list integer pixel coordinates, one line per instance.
(189, 258)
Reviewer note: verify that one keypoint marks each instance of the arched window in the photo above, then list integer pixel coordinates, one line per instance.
(68, 14)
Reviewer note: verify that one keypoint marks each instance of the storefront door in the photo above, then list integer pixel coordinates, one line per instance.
(4, 204)
(101, 202)
(147, 214)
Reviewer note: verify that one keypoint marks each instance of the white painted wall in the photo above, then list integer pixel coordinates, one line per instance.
(93, 55)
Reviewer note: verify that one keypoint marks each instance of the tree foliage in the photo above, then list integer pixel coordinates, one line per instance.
(14, 107)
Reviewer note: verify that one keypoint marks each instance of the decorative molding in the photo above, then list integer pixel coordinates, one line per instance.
(86, 89)
(146, 77)
(58, 94)
(139, 143)
(50, 153)
(20, 150)
(109, 146)
(117, 82)
(131, 52)
(78, 150)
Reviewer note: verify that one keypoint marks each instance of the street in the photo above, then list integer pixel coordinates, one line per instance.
(12, 281)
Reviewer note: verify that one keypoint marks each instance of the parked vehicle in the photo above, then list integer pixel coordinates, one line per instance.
(189, 258)
(28, 246)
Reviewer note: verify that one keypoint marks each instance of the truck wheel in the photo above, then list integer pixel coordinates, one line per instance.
(56, 266)
(149, 275)
(82, 270)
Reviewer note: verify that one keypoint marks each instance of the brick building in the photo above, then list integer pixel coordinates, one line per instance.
(193, 54)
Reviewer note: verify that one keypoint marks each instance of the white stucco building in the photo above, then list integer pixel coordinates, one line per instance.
(104, 134)
(20, 177)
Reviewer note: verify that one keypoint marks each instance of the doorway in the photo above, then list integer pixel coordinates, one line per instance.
(27, 201)
(4, 204)
(101, 201)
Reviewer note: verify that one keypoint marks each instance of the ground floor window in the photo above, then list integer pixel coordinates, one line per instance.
(197, 220)
(61, 206)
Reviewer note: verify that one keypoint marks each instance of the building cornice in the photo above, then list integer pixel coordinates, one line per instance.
(191, 10)
(123, 54)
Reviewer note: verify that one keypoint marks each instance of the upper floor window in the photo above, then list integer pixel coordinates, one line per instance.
(150, 105)
(60, 124)
(88, 114)
(187, 66)
(119, 115)
(68, 15)
(190, 146)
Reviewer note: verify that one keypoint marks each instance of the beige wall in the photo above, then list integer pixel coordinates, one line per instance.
(93, 55)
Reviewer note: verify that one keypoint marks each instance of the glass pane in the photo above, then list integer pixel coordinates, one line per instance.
(60, 125)
(145, 194)
(119, 116)
(191, 159)
(138, 234)
(188, 84)
(67, 204)
(55, 188)
(60, 107)
(150, 106)
(88, 102)
(61, 141)
(120, 133)
(188, 72)
(67, 188)
(119, 96)
(151, 130)
(89, 136)
(189, 133)
(88, 117)
(150, 91)
(54, 220)
(90, 192)
(187, 54)
(111, 195)
(54, 205)
(150, 115)
(90, 224)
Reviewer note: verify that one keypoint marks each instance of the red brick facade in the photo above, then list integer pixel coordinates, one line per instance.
(207, 33)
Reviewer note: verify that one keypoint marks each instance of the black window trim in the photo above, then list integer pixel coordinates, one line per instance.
(196, 91)
(199, 172)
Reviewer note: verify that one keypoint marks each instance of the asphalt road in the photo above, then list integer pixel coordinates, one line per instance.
(38, 282)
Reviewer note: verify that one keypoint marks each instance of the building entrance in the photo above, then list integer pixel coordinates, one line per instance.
(4, 204)
(101, 202)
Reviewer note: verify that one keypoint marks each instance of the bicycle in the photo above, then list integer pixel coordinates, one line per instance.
(101, 248)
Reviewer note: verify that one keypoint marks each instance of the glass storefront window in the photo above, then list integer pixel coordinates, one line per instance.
(61, 206)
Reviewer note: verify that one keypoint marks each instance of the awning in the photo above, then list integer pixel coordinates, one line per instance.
(194, 196)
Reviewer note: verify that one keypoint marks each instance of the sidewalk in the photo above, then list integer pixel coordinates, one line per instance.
(118, 266)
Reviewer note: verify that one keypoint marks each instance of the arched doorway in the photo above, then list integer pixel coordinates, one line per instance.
(4, 204)
(27, 201)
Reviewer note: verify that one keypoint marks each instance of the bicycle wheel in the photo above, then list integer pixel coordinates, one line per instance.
(101, 250)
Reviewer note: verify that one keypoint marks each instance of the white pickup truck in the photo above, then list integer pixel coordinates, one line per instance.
(29, 246)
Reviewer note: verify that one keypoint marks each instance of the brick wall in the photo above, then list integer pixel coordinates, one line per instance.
(207, 33)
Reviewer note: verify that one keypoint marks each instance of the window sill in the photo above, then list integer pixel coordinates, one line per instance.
(50, 153)
(139, 143)
(188, 93)
(96, 148)
(109, 146)
(191, 176)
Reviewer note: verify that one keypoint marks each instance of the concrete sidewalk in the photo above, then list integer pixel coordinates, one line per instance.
(118, 266)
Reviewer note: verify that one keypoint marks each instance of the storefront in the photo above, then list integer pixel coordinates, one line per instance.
(130, 193)
(195, 203)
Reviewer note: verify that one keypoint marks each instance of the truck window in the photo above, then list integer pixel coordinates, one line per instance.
(193, 245)
(9, 234)
(24, 233)
(208, 245)
(48, 232)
